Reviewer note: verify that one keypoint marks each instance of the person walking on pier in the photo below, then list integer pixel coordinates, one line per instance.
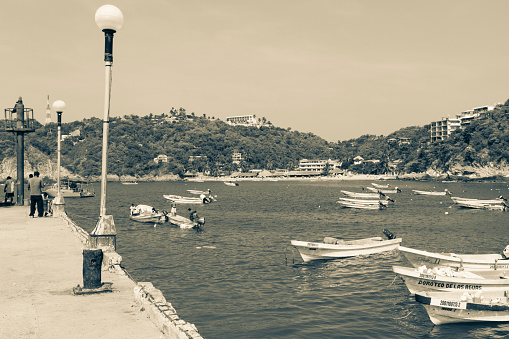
(36, 195)
(9, 190)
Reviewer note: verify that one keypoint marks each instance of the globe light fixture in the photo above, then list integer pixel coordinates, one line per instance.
(109, 17)
(59, 107)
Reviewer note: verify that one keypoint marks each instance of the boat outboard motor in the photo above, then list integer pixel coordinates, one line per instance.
(391, 235)
(505, 252)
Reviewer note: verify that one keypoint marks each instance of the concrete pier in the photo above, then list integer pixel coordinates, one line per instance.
(41, 262)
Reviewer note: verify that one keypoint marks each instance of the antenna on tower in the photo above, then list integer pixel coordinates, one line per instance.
(48, 113)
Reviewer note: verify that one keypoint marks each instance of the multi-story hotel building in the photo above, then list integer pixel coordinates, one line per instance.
(244, 120)
(442, 129)
(317, 165)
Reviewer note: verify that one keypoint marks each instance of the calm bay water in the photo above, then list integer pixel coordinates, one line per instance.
(240, 278)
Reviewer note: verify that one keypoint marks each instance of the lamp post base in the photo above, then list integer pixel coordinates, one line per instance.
(104, 235)
(58, 206)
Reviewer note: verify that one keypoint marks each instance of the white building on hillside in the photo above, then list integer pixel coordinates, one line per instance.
(243, 120)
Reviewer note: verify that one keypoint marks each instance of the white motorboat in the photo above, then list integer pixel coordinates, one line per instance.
(377, 206)
(465, 306)
(71, 189)
(460, 261)
(362, 195)
(188, 200)
(129, 183)
(380, 185)
(198, 192)
(185, 223)
(448, 279)
(365, 201)
(498, 200)
(334, 248)
(501, 206)
(384, 190)
(231, 183)
(440, 193)
(146, 213)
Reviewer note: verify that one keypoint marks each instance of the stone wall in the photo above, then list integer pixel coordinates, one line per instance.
(146, 296)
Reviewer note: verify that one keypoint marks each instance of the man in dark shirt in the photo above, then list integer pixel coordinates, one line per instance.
(36, 195)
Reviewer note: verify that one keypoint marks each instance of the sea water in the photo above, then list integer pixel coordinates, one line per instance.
(241, 278)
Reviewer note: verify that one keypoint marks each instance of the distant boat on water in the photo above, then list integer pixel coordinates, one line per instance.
(129, 183)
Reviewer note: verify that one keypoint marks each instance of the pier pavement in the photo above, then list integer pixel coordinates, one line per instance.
(41, 262)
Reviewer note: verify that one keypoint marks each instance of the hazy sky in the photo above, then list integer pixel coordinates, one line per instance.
(335, 68)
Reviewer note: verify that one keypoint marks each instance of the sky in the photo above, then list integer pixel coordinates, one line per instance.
(335, 68)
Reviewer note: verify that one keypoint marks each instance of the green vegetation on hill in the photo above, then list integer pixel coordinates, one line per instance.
(201, 144)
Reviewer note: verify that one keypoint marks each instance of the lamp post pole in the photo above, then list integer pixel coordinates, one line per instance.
(109, 19)
(59, 107)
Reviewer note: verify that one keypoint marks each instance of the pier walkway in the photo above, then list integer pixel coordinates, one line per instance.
(41, 260)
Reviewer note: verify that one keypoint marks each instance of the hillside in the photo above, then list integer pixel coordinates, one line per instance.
(200, 144)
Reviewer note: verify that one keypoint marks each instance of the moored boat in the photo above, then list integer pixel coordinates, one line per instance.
(231, 183)
(71, 189)
(466, 261)
(465, 306)
(440, 193)
(380, 185)
(384, 190)
(188, 200)
(365, 201)
(363, 206)
(146, 213)
(500, 206)
(334, 248)
(362, 195)
(448, 279)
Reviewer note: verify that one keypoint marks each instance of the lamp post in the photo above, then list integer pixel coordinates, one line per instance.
(59, 107)
(109, 19)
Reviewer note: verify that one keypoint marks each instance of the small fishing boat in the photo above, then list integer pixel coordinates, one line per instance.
(465, 306)
(419, 192)
(498, 200)
(460, 261)
(130, 182)
(231, 183)
(71, 189)
(448, 279)
(384, 190)
(500, 206)
(185, 223)
(188, 200)
(363, 206)
(146, 213)
(198, 192)
(362, 195)
(380, 185)
(334, 248)
(365, 201)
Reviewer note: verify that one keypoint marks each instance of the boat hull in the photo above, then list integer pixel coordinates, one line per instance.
(182, 222)
(417, 192)
(183, 200)
(66, 193)
(320, 251)
(466, 261)
(150, 218)
(447, 308)
(417, 281)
